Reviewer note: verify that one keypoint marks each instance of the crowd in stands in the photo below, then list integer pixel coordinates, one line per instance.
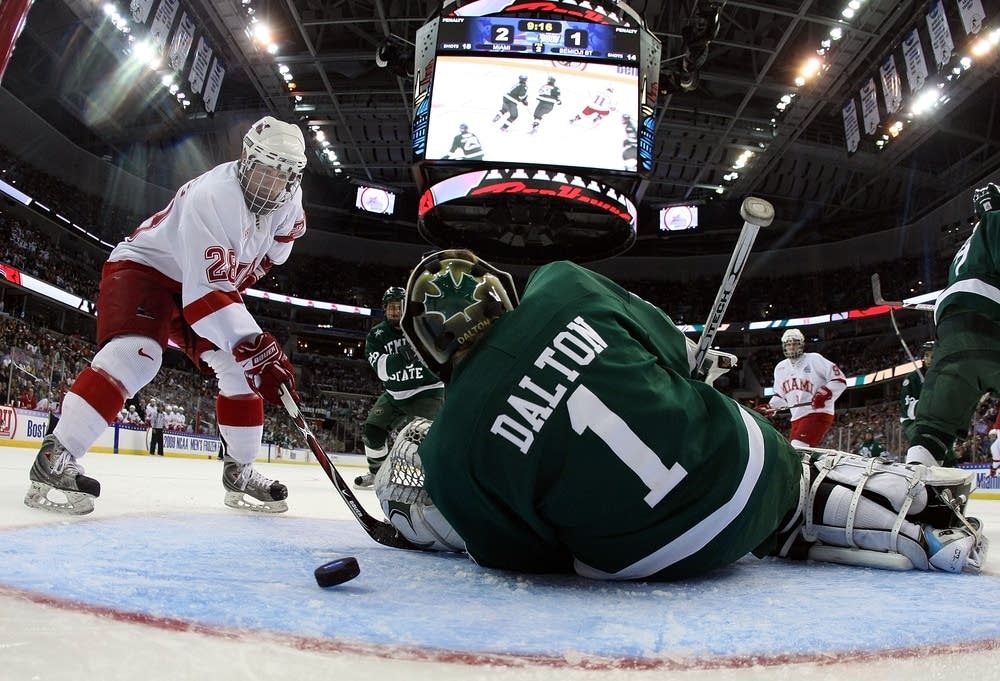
(43, 351)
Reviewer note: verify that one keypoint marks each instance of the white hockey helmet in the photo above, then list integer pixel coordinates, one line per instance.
(793, 343)
(270, 169)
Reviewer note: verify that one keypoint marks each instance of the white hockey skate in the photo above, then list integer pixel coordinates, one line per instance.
(56, 469)
(365, 482)
(248, 490)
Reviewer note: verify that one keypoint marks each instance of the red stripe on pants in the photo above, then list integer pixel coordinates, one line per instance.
(246, 410)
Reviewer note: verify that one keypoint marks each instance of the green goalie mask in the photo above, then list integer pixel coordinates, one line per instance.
(452, 299)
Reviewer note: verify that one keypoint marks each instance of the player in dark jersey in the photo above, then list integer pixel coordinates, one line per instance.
(468, 143)
(573, 438)
(967, 317)
(410, 389)
(548, 96)
(508, 107)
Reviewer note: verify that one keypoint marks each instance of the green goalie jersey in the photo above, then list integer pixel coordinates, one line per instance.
(573, 438)
(402, 376)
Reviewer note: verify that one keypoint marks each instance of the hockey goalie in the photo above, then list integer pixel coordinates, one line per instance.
(852, 510)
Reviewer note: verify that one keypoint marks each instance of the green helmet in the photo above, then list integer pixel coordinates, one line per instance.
(986, 199)
(452, 299)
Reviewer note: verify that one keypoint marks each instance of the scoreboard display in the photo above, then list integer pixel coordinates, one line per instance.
(562, 39)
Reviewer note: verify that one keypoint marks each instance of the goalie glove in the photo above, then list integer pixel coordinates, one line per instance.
(821, 397)
(266, 367)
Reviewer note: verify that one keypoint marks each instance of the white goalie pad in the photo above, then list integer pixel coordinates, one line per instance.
(869, 512)
(399, 486)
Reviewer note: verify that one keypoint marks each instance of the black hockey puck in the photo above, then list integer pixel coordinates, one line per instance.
(337, 571)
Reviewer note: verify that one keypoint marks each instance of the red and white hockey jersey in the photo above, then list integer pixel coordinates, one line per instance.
(796, 382)
(208, 241)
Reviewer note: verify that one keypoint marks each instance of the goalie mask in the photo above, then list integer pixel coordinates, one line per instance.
(452, 299)
(793, 343)
(270, 168)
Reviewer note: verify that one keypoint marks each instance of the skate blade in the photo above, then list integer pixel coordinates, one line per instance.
(77, 503)
(240, 501)
(363, 488)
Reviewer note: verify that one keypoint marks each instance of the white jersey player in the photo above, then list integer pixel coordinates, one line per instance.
(600, 106)
(179, 277)
(808, 384)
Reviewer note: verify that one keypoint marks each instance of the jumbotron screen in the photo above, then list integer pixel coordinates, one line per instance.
(551, 93)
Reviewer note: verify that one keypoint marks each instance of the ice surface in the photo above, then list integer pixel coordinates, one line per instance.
(164, 582)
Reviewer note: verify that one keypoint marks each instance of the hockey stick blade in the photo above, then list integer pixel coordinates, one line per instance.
(756, 213)
(381, 532)
(879, 300)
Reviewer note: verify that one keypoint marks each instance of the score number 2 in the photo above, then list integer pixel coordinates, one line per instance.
(587, 411)
(501, 34)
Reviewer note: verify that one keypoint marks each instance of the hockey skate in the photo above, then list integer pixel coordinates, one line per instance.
(366, 481)
(242, 481)
(56, 469)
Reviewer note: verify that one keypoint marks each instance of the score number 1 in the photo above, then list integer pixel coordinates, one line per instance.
(575, 38)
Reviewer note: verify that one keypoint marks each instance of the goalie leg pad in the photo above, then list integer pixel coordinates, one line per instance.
(868, 512)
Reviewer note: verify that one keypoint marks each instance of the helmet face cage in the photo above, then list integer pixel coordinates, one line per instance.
(452, 298)
(270, 168)
(793, 343)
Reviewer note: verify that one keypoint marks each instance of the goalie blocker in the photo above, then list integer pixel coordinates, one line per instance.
(852, 510)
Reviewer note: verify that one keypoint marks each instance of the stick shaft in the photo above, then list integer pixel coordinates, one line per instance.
(729, 280)
(380, 531)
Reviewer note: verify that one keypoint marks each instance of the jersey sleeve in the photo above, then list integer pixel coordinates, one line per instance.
(212, 305)
(836, 383)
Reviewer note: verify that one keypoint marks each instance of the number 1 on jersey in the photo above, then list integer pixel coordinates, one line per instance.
(587, 411)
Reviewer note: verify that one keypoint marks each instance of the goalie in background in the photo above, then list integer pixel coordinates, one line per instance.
(508, 107)
(573, 439)
(967, 325)
(807, 384)
(410, 388)
(467, 143)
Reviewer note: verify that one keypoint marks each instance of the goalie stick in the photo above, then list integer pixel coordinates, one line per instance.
(879, 300)
(756, 213)
(382, 532)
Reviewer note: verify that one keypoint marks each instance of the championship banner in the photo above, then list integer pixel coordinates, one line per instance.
(180, 45)
(852, 131)
(869, 107)
(892, 88)
(941, 42)
(213, 85)
(972, 14)
(199, 65)
(140, 9)
(916, 65)
(162, 21)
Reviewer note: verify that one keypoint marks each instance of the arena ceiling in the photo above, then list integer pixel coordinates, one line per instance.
(800, 161)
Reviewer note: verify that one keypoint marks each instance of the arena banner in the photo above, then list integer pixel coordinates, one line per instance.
(24, 428)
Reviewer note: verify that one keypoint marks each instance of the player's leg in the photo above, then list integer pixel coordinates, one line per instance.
(375, 434)
(240, 415)
(966, 365)
(809, 430)
(134, 310)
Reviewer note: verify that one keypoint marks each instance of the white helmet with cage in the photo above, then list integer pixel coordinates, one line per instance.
(270, 168)
(793, 343)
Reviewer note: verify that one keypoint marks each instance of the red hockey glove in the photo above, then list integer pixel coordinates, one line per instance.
(821, 397)
(266, 367)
